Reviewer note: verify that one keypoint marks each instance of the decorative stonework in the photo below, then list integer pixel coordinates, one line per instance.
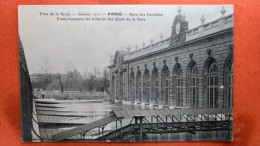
(143, 44)
(191, 56)
(179, 28)
(202, 19)
(164, 62)
(179, 10)
(209, 52)
(161, 36)
(223, 11)
(128, 49)
(176, 59)
(154, 64)
(151, 41)
(230, 48)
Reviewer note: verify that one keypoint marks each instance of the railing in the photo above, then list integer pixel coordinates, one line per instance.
(211, 27)
(70, 95)
(200, 31)
(148, 49)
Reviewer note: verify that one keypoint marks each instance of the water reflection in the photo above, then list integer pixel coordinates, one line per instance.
(95, 110)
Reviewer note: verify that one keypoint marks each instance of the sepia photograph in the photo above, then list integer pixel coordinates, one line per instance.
(126, 73)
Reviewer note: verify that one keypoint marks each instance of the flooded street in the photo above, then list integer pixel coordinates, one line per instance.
(97, 109)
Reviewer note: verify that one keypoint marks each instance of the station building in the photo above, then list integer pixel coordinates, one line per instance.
(193, 68)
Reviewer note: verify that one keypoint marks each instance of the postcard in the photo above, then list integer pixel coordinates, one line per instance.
(126, 73)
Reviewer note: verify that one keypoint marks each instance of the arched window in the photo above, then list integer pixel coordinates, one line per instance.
(132, 87)
(165, 85)
(212, 85)
(146, 86)
(113, 87)
(177, 83)
(179, 87)
(121, 92)
(155, 87)
(138, 86)
(228, 81)
(230, 86)
(193, 78)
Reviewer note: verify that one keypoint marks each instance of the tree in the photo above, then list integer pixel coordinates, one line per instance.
(91, 80)
(61, 84)
(44, 67)
(104, 80)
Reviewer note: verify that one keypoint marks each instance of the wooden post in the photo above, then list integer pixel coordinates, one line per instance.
(83, 135)
(103, 130)
(98, 131)
(121, 129)
(141, 128)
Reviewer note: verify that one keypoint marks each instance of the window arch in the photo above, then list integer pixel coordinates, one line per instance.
(165, 85)
(228, 81)
(155, 86)
(179, 87)
(193, 84)
(132, 87)
(146, 86)
(212, 83)
(138, 86)
(178, 84)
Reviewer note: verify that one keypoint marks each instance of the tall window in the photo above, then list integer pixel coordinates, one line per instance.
(230, 87)
(132, 87)
(138, 86)
(155, 87)
(194, 87)
(179, 87)
(146, 86)
(121, 85)
(212, 83)
(165, 85)
(228, 81)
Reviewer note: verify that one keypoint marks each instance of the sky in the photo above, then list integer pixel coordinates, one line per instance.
(65, 45)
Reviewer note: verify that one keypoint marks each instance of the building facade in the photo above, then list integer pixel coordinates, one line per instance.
(193, 68)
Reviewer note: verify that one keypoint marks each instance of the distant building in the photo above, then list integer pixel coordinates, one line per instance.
(50, 81)
(193, 68)
(43, 80)
(37, 77)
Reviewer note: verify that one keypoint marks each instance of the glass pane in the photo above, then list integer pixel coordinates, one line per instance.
(211, 81)
(216, 97)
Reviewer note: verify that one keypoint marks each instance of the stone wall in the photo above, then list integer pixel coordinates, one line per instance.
(216, 47)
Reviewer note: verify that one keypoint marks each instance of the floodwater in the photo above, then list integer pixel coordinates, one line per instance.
(95, 110)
